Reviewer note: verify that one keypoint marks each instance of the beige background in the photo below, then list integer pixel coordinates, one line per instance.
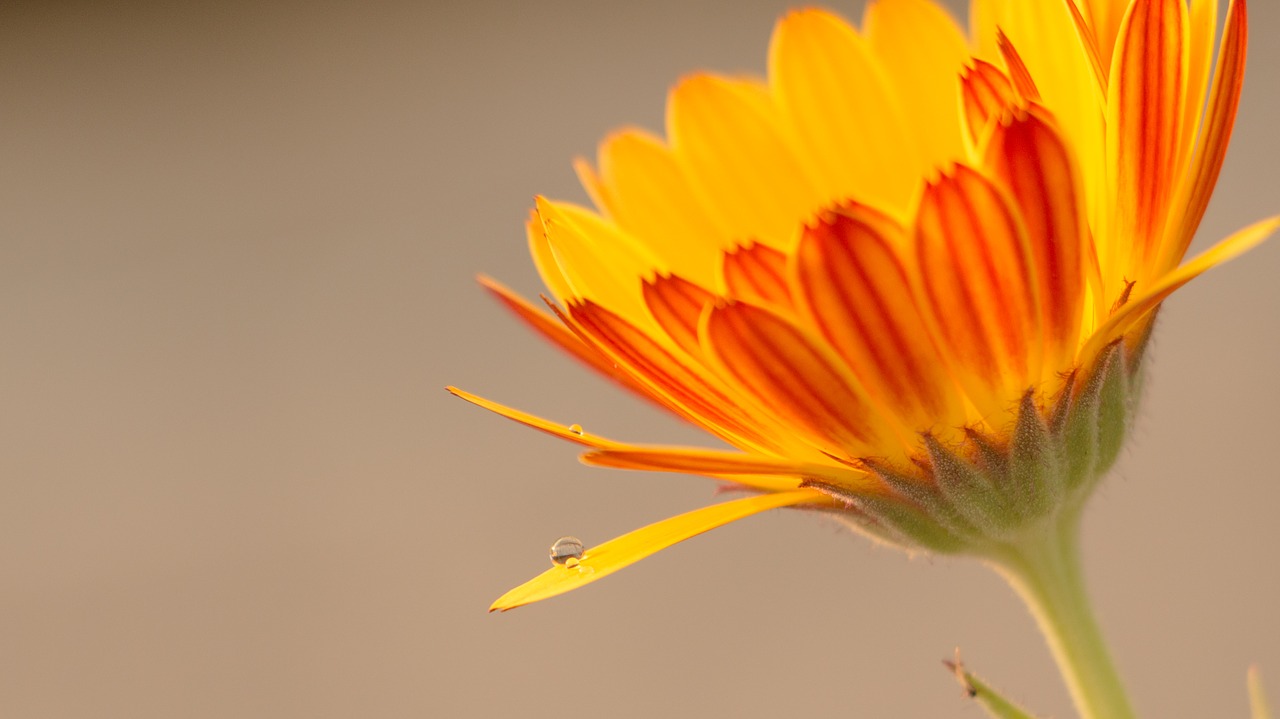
(236, 254)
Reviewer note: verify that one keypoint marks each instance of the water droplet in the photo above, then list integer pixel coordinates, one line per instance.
(567, 549)
(576, 429)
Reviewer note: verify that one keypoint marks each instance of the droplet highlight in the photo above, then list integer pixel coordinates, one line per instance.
(575, 429)
(567, 551)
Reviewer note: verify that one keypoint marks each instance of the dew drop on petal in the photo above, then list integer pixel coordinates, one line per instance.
(566, 550)
(576, 429)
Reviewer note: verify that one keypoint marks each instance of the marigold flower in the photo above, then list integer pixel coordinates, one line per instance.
(909, 276)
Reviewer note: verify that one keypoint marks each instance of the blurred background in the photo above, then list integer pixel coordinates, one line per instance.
(237, 250)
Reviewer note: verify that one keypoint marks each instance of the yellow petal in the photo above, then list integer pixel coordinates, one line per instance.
(1144, 300)
(727, 138)
(922, 50)
(573, 434)
(641, 187)
(846, 121)
(599, 562)
(598, 261)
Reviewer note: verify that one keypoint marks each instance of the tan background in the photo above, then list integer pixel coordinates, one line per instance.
(236, 254)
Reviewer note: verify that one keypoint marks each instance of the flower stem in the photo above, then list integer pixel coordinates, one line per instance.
(1045, 570)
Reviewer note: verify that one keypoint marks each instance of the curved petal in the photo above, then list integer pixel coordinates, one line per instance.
(641, 186)
(758, 274)
(855, 288)
(1149, 298)
(599, 562)
(840, 109)
(1144, 133)
(726, 136)
(1215, 134)
(555, 332)
(1029, 157)
(797, 378)
(922, 50)
(977, 280)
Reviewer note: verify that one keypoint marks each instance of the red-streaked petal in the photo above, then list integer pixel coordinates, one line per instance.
(1215, 135)
(734, 465)
(1144, 130)
(758, 274)
(1089, 39)
(801, 382)
(1030, 158)
(555, 332)
(677, 305)
(856, 290)
(975, 272)
(986, 93)
(1018, 72)
(601, 561)
(699, 398)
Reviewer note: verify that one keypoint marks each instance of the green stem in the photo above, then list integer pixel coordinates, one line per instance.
(1045, 570)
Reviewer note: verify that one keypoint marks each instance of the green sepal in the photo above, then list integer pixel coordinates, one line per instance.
(911, 522)
(1080, 428)
(1115, 409)
(997, 706)
(927, 496)
(1035, 462)
(967, 490)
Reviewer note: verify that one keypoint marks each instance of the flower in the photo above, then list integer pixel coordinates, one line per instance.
(910, 276)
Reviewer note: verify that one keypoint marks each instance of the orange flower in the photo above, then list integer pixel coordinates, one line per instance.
(909, 277)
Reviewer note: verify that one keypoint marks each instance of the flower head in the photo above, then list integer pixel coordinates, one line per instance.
(909, 277)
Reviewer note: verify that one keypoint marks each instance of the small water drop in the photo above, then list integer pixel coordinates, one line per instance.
(576, 429)
(567, 549)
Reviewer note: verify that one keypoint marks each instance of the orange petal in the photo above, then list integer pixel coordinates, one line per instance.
(728, 464)
(758, 274)
(677, 305)
(841, 111)
(727, 138)
(605, 559)
(975, 271)
(1018, 71)
(986, 94)
(555, 332)
(797, 378)
(1144, 130)
(699, 398)
(1215, 135)
(1032, 161)
(856, 291)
